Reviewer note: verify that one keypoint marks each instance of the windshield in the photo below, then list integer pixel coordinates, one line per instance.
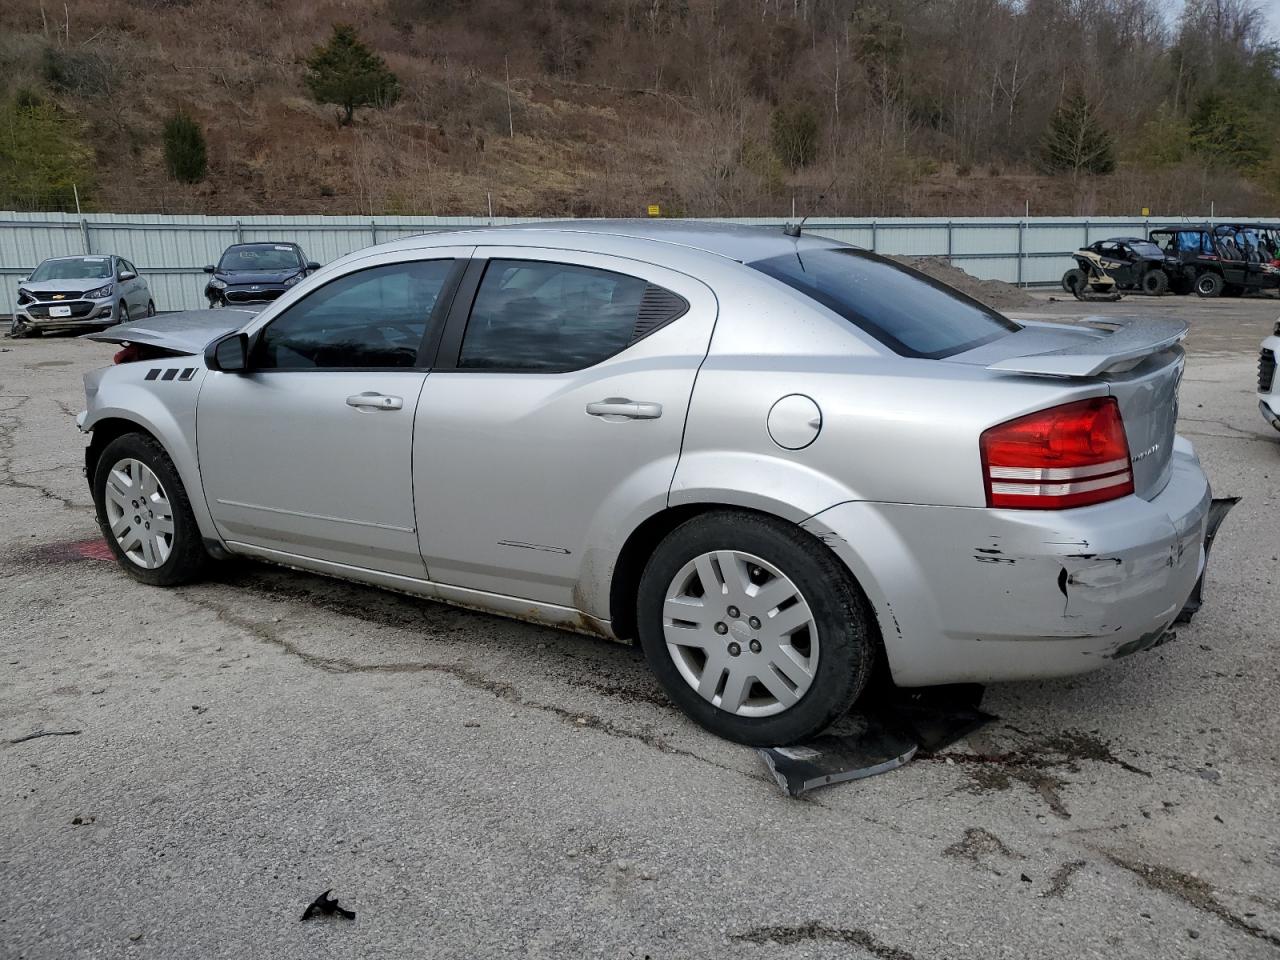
(73, 268)
(1146, 249)
(259, 256)
(911, 313)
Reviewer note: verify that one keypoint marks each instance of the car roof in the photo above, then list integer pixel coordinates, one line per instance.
(1183, 228)
(263, 243)
(730, 240)
(83, 256)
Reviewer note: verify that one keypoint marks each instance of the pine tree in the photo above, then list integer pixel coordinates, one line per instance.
(346, 72)
(1076, 142)
(185, 153)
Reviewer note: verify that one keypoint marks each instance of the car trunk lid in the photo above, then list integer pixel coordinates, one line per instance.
(185, 333)
(1139, 361)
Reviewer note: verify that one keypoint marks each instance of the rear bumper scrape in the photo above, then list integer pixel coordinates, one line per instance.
(966, 594)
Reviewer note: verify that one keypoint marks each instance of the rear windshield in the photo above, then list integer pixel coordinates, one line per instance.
(913, 314)
(260, 256)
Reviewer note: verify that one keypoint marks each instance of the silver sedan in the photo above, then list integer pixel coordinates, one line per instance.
(772, 460)
(66, 293)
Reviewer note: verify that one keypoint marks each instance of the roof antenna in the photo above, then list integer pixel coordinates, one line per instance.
(793, 229)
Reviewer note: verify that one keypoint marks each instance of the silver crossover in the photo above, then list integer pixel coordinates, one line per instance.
(64, 293)
(774, 461)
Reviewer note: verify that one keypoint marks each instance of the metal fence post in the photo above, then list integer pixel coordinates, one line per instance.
(373, 232)
(949, 241)
(873, 236)
(1021, 227)
(239, 232)
(84, 236)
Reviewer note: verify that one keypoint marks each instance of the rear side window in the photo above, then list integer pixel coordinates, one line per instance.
(912, 314)
(372, 318)
(538, 316)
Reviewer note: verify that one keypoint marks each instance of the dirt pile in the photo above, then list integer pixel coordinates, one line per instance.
(994, 293)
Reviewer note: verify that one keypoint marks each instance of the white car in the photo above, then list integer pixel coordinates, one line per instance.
(1268, 382)
(64, 293)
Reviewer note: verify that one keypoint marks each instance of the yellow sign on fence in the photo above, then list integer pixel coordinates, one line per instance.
(655, 210)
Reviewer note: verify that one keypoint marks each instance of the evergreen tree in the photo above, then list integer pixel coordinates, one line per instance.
(185, 153)
(346, 72)
(1227, 132)
(1076, 142)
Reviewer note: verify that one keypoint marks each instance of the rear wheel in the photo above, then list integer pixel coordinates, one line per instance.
(1155, 283)
(1209, 285)
(144, 513)
(1073, 280)
(754, 628)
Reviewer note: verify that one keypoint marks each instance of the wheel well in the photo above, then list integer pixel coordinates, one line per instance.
(645, 538)
(103, 433)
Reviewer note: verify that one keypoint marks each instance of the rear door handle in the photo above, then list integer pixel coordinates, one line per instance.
(374, 401)
(620, 408)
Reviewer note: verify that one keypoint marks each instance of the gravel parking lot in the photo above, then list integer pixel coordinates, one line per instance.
(472, 786)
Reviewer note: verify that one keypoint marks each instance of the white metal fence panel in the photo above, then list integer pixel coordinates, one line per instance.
(171, 251)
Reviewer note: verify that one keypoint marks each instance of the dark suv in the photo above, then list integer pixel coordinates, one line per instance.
(1224, 259)
(249, 272)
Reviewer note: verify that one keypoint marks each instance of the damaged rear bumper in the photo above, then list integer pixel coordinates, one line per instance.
(977, 595)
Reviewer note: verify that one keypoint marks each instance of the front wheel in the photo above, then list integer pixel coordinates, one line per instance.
(1073, 280)
(144, 513)
(1155, 283)
(754, 628)
(122, 313)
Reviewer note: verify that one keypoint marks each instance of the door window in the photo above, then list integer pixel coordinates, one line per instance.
(372, 318)
(531, 315)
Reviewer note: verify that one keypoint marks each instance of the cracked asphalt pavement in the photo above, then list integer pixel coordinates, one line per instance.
(472, 786)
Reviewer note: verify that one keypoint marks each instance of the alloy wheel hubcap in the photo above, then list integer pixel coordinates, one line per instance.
(740, 633)
(139, 514)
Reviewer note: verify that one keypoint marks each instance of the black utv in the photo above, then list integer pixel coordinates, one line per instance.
(1220, 260)
(1132, 262)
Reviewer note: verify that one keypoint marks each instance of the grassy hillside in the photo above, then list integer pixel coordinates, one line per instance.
(614, 104)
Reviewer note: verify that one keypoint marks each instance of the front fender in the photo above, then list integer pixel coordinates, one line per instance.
(171, 420)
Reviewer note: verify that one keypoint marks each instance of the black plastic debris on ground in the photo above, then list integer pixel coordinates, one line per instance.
(327, 906)
(1219, 507)
(880, 735)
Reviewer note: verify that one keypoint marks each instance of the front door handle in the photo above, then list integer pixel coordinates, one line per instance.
(374, 401)
(620, 408)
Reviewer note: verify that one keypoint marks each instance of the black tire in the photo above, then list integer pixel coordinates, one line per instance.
(1073, 280)
(151, 308)
(846, 628)
(1155, 283)
(1209, 285)
(188, 559)
(122, 313)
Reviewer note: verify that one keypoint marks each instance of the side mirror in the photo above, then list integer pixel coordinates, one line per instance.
(126, 276)
(312, 265)
(209, 268)
(230, 354)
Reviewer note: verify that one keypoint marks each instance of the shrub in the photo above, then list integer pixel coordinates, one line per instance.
(41, 155)
(793, 134)
(185, 152)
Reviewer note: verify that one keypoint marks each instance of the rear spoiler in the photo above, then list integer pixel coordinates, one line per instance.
(1127, 343)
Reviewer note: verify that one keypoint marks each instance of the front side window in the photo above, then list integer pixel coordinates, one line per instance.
(911, 313)
(531, 315)
(372, 318)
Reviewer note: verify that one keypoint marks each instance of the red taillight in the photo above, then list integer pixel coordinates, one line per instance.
(129, 354)
(1067, 456)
